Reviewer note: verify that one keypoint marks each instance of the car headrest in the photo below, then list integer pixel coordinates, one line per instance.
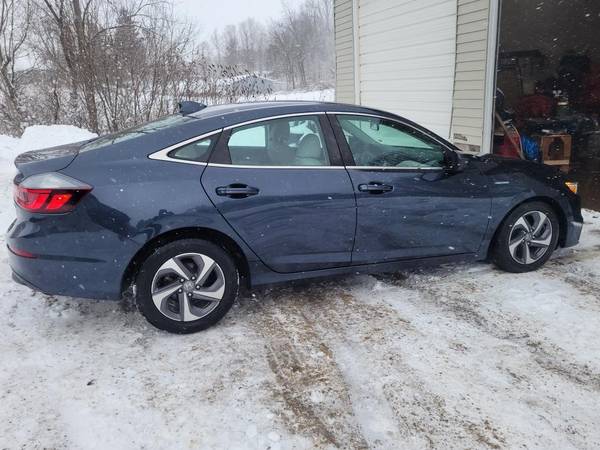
(279, 132)
(310, 147)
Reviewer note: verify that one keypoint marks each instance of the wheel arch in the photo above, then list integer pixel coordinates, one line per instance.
(216, 237)
(560, 214)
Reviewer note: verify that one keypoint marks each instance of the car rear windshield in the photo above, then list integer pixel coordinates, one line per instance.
(138, 131)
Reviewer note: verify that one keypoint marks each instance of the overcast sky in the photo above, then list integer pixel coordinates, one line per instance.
(209, 15)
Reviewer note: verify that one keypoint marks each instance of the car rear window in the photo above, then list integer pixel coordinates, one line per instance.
(137, 131)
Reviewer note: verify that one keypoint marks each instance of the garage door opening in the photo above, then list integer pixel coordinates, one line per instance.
(548, 88)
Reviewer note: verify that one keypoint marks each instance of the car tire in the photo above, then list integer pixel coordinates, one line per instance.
(186, 286)
(526, 238)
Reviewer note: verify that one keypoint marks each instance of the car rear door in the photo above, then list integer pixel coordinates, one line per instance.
(281, 185)
(409, 205)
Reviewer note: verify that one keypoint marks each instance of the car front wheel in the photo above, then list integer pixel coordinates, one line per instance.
(527, 238)
(186, 286)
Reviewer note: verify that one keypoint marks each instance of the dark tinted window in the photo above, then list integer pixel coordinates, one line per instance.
(198, 151)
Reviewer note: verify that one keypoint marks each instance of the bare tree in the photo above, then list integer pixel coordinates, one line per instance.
(298, 47)
(110, 64)
(306, 32)
(231, 44)
(82, 30)
(281, 53)
(252, 37)
(217, 46)
(116, 59)
(15, 21)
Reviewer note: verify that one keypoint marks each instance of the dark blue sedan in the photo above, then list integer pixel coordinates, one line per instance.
(182, 211)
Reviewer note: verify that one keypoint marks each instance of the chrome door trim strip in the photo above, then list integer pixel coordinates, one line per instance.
(249, 166)
(416, 169)
(163, 155)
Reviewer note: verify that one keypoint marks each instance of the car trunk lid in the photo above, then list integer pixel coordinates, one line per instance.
(46, 160)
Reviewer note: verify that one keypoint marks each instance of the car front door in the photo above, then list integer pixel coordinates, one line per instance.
(409, 204)
(281, 185)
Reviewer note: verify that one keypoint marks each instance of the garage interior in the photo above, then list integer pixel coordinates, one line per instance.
(548, 88)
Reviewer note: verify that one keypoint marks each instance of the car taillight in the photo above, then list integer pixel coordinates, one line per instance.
(50, 193)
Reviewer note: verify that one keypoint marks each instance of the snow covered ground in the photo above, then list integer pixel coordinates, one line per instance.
(458, 357)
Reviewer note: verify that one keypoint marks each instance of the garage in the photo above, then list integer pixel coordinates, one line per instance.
(407, 59)
(511, 77)
(548, 88)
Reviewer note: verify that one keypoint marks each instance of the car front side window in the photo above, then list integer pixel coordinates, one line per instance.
(377, 142)
(293, 141)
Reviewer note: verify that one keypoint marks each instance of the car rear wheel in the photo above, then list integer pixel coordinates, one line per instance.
(186, 286)
(527, 238)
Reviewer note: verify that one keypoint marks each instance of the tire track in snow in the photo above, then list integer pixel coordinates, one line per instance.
(422, 417)
(392, 405)
(507, 372)
(309, 381)
(457, 299)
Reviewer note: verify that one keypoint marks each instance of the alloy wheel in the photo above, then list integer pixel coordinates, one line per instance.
(188, 287)
(530, 237)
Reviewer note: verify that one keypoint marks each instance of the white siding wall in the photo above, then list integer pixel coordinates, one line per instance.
(469, 88)
(344, 51)
(406, 58)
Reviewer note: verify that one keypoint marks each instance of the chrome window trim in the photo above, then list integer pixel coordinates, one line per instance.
(413, 169)
(282, 116)
(250, 166)
(163, 155)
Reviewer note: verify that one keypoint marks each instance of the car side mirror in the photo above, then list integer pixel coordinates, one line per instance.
(455, 163)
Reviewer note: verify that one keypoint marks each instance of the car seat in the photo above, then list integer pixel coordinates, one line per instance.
(279, 151)
(310, 152)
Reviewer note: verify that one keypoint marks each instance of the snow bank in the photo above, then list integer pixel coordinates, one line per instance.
(40, 136)
(8, 148)
(43, 136)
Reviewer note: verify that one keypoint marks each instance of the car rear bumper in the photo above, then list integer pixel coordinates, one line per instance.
(60, 277)
(19, 279)
(573, 234)
(58, 262)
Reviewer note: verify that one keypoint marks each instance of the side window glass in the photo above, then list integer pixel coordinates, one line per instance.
(379, 142)
(198, 151)
(294, 141)
(249, 136)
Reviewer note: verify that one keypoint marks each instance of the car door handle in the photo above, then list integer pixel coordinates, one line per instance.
(236, 191)
(375, 188)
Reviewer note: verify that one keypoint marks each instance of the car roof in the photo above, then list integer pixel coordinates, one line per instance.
(238, 111)
(229, 115)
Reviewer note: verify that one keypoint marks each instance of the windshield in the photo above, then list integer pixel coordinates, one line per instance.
(140, 130)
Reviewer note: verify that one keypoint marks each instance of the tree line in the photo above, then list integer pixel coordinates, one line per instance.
(298, 47)
(106, 65)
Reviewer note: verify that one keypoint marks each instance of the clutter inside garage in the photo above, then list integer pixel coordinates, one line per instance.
(548, 88)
